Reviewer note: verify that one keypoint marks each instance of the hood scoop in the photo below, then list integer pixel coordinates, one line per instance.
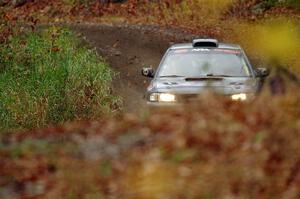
(170, 83)
(190, 79)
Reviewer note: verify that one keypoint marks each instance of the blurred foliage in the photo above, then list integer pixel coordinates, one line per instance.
(214, 148)
(274, 41)
(50, 77)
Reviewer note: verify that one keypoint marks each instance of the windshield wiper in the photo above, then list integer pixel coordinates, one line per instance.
(171, 76)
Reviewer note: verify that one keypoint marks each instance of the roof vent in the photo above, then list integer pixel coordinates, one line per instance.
(205, 43)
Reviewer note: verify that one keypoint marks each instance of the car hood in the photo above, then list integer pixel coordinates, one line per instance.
(226, 85)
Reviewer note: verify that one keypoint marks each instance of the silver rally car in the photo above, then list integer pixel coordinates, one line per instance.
(187, 70)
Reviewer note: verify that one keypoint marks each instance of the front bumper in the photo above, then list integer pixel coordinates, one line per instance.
(163, 104)
(185, 99)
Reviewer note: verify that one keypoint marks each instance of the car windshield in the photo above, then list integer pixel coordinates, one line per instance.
(204, 62)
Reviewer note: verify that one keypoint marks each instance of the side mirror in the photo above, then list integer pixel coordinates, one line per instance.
(262, 72)
(148, 72)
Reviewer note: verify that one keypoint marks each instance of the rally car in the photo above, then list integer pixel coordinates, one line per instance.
(188, 69)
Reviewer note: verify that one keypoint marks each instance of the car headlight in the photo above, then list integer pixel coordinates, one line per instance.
(166, 97)
(240, 96)
(162, 97)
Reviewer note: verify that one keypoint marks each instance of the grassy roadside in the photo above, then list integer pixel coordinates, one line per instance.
(50, 77)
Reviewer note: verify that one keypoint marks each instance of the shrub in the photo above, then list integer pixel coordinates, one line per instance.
(50, 77)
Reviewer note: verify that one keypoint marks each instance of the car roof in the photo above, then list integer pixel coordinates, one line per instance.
(220, 45)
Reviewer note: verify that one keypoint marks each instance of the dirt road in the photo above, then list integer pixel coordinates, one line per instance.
(127, 49)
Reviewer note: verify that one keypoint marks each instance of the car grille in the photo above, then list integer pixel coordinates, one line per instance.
(188, 97)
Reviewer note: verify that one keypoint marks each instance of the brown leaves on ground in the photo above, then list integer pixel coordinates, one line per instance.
(167, 12)
(211, 148)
